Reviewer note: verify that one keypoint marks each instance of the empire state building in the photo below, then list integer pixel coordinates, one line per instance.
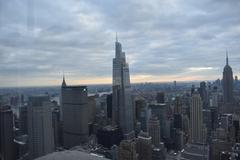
(227, 83)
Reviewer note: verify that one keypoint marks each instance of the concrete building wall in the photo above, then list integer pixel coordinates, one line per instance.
(75, 115)
(40, 128)
(6, 134)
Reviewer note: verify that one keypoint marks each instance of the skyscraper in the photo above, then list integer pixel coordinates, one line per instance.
(196, 118)
(6, 134)
(178, 105)
(40, 128)
(154, 130)
(92, 104)
(160, 111)
(75, 115)
(160, 97)
(109, 106)
(144, 146)
(141, 113)
(61, 104)
(109, 136)
(227, 83)
(56, 125)
(203, 93)
(23, 120)
(127, 150)
(122, 98)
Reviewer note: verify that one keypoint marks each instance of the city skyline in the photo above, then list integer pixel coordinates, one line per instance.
(120, 80)
(37, 46)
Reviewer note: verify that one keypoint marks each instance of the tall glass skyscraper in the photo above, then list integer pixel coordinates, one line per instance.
(122, 98)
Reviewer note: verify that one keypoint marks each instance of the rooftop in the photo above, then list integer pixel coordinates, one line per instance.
(71, 155)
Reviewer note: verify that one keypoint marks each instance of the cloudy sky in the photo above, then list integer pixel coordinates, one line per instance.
(164, 40)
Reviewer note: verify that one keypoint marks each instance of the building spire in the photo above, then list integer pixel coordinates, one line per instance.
(226, 57)
(116, 37)
(64, 82)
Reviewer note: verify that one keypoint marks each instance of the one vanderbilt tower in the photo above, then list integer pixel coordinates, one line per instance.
(122, 98)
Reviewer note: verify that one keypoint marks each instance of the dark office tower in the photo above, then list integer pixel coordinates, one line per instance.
(154, 130)
(160, 111)
(40, 128)
(214, 117)
(236, 129)
(75, 115)
(109, 106)
(23, 120)
(122, 98)
(178, 106)
(91, 111)
(144, 146)
(127, 150)
(207, 119)
(193, 89)
(109, 136)
(160, 97)
(56, 126)
(7, 151)
(178, 121)
(203, 94)
(196, 119)
(227, 83)
(140, 104)
(141, 113)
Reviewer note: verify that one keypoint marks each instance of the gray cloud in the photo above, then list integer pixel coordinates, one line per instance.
(41, 39)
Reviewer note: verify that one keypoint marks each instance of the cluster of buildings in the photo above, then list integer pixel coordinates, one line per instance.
(200, 122)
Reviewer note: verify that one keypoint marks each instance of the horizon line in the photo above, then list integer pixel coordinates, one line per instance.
(98, 84)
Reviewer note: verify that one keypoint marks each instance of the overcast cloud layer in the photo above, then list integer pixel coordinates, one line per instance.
(164, 40)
